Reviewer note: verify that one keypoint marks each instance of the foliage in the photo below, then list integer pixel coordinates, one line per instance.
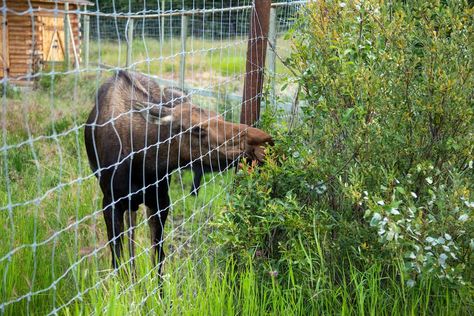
(380, 167)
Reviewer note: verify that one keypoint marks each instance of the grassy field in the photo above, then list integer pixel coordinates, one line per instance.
(53, 252)
(212, 65)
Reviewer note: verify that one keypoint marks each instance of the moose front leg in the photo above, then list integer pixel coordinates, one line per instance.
(113, 215)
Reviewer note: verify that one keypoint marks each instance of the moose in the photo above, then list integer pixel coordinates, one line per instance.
(137, 134)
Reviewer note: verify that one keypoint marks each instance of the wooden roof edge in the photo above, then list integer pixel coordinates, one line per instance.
(78, 2)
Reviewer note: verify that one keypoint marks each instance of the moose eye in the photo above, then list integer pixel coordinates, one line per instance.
(198, 131)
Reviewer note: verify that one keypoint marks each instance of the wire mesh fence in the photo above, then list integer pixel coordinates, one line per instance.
(55, 247)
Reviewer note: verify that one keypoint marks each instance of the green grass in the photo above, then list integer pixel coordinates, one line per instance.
(209, 64)
(203, 57)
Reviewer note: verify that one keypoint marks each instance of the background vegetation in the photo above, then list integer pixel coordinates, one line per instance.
(377, 175)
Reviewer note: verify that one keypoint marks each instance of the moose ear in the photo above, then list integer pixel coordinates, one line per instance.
(174, 96)
(154, 113)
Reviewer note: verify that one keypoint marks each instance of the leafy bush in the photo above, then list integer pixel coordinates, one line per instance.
(380, 167)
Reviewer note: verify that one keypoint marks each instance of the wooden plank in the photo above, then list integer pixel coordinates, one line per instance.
(23, 83)
(19, 46)
(4, 48)
(20, 52)
(21, 29)
(15, 42)
(16, 63)
(20, 70)
(19, 58)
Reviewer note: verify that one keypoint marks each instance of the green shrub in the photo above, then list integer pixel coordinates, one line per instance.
(380, 167)
(46, 81)
(11, 92)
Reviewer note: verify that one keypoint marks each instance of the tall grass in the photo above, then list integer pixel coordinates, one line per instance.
(53, 237)
(209, 288)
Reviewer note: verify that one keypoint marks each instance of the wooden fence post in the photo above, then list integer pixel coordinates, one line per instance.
(128, 62)
(66, 24)
(182, 64)
(256, 51)
(86, 39)
(272, 38)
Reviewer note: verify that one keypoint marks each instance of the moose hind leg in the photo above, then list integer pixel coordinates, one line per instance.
(113, 215)
(157, 212)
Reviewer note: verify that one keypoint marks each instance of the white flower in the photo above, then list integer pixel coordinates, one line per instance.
(469, 204)
(394, 211)
(442, 260)
(381, 202)
(411, 283)
(463, 218)
(414, 195)
(342, 4)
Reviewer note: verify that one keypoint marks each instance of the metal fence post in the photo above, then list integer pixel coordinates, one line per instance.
(86, 39)
(128, 62)
(256, 51)
(184, 35)
(271, 51)
(162, 23)
(66, 24)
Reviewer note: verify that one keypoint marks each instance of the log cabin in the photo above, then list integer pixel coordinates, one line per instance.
(33, 34)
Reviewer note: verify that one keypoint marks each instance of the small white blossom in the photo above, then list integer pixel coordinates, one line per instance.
(442, 260)
(411, 283)
(394, 211)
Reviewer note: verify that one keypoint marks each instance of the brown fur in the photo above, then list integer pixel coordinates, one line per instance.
(136, 136)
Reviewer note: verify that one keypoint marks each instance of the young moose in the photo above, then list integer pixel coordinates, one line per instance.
(134, 139)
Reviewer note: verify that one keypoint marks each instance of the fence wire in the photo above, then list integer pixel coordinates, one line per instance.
(54, 249)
